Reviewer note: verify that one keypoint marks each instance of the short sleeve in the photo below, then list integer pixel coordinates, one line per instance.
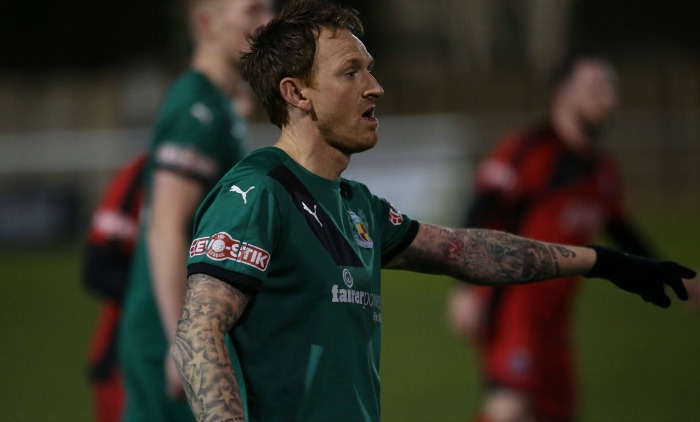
(397, 229)
(191, 141)
(234, 233)
(498, 172)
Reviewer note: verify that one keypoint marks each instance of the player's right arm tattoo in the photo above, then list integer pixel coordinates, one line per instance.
(487, 256)
(210, 309)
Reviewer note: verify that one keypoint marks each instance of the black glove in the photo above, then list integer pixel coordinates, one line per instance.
(643, 276)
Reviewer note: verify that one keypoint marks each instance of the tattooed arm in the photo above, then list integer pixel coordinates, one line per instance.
(490, 257)
(210, 309)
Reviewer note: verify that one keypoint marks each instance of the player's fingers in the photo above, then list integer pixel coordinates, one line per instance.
(656, 296)
(678, 269)
(661, 300)
(678, 288)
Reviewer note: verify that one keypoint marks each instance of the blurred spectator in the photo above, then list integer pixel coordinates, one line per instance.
(552, 182)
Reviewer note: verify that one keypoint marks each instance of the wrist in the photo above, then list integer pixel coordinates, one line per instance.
(605, 260)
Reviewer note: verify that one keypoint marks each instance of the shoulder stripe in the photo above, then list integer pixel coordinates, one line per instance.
(318, 221)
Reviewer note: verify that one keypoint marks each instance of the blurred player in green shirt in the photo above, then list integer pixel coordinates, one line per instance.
(198, 136)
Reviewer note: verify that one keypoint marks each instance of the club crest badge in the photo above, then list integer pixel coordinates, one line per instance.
(359, 229)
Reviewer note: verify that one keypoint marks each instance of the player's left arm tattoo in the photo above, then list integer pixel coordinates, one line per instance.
(488, 257)
(210, 309)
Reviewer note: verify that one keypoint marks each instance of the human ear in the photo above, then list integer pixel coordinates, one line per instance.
(291, 90)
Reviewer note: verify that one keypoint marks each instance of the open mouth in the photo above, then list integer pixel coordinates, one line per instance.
(369, 114)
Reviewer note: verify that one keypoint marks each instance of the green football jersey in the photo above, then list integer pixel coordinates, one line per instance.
(312, 248)
(197, 135)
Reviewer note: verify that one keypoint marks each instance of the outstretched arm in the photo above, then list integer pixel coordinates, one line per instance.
(490, 257)
(210, 310)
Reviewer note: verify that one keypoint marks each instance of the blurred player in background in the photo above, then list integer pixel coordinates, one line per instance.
(551, 182)
(110, 246)
(200, 134)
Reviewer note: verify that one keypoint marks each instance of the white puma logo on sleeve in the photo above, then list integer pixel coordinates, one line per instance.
(236, 189)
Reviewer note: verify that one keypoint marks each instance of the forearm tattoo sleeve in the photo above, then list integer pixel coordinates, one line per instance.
(210, 309)
(482, 256)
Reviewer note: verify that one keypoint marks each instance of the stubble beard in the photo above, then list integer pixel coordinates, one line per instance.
(347, 144)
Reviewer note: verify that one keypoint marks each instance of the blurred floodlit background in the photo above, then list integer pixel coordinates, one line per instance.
(81, 81)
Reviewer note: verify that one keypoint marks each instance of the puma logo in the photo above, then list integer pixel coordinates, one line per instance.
(236, 189)
(312, 213)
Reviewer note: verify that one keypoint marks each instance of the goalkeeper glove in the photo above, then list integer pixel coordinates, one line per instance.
(643, 276)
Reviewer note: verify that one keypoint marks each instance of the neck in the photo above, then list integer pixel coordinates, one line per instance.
(313, 153)
(218, 69)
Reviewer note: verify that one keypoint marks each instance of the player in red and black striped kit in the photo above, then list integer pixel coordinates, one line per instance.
(553, 183)
(110, 245)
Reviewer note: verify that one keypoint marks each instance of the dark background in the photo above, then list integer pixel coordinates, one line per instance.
(83, 33)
